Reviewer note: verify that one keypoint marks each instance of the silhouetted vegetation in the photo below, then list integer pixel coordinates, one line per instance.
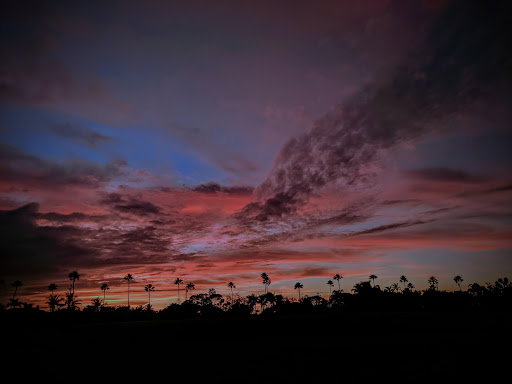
(364, 296)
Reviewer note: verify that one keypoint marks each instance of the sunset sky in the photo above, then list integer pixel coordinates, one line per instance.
(216, 140)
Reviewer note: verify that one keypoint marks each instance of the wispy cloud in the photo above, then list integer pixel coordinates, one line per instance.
(79, 134)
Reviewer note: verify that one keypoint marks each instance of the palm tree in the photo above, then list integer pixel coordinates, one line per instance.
(74, 276)
(96, 304)
(231, 285)
(298, 286)
(128, 278)
(178, 281)
(373, 277)
(266, 281)
(13, 303)
(458, 280)
(54, 301)
(410, 286)
(338, 277)
(104, 288)
(190, 286)
(403, 280)
(149, 288)
(433, 283)
(52, 287)
(16, 284)
(330, 284)
(71, 301)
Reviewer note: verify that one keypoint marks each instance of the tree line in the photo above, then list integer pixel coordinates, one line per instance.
(365, 295)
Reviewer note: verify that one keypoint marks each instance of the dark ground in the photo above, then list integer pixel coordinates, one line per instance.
(344, 348)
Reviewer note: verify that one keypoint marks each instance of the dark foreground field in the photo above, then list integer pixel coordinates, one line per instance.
(343, 348)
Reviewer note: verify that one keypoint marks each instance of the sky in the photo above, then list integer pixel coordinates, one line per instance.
(214, 141)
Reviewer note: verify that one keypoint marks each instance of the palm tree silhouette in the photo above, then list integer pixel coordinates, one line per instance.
(52, 287)
(433, 283)
(338, 277)
(410, 286)
(298, 286)
(149, 288)
(54, 301)
(458, 280)
(104, 288)
(190, 286)
(71, 301)
(231, 285)
(16, 284)
(74, 276)
(178, 281)
(403, 280)
(330, 284)
(128, 278)
(266, 281)
(96, 304)
(373, 277)
(13, 303)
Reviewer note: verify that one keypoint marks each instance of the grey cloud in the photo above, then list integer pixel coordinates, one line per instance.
(17, 165)
(79, 134)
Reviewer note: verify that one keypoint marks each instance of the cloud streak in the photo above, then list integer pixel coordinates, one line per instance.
(79, 134)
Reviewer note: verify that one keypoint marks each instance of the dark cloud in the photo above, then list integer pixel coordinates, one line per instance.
(19, 166)
(388, 227)
(70, 218)
(277, 206)
(140, 241)
(31, 249)
(443, 175)
(400, 201)
(79, 134)
(130, 204)
(464, 60)
(213, 187)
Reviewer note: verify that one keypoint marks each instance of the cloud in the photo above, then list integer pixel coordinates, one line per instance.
(129, 204)
(213, 187)
(79, 134)
(31, 249)
(19, 166)
(443, 175)
(463, 60)
(70, 218)
(389, 227)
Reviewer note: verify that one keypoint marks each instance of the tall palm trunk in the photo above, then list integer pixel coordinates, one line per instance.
(15, 290)
(128, 293)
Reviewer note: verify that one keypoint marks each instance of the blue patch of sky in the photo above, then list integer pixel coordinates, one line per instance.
(28, 129)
